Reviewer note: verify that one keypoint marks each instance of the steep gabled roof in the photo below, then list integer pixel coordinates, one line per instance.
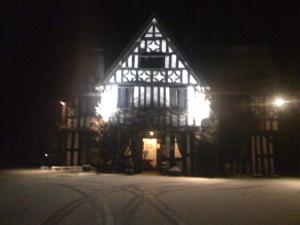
(153, 19)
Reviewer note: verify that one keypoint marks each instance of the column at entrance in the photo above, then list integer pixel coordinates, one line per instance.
(172, 151)
(188, 155)
(167, 149)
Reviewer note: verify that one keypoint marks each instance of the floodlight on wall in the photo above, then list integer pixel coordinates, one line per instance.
(198, 106)
(279, 102)
(151, 133)
(108, 102)
(62, 103)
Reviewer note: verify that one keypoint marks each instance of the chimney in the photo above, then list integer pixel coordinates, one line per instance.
(98, 64)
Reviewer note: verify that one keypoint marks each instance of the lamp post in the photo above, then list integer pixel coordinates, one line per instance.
(63, 111)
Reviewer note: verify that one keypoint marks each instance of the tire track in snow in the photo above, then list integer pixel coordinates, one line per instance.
(100, 207)
(141, 197)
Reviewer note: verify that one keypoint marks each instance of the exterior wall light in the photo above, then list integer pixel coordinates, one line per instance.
(107, 107)
(278, 102)
(151, 133)
(62, 103)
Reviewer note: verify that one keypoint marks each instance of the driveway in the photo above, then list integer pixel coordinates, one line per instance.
(42, 197)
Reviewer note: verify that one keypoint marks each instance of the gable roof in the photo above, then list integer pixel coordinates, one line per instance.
(130, 48)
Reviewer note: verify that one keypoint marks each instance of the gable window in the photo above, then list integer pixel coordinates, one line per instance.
(152, 62)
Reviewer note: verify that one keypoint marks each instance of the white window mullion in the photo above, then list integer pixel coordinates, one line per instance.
(162, 96)
(148, 96)
(167, 97)
(142, 96)
(136, 96)
(155, 96)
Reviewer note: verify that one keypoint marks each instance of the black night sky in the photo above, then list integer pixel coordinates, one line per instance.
(46, 44)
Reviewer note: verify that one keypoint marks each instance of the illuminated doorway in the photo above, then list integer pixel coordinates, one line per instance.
(150, 148)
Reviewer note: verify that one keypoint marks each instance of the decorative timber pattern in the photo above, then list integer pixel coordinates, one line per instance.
(262, 147)
(153, 74)
(153, 58)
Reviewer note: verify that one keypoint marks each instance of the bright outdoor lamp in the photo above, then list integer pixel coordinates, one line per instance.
(279, 102)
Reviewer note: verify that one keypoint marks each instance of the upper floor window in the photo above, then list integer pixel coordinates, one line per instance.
(147, 96)
(147, 62)
(125, 97)
(178, 98)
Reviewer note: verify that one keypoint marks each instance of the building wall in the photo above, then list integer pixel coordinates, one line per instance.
(151, 86)
(77, 135)
(248, 128)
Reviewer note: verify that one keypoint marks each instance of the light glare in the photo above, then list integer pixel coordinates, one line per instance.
(198, 106)
(108, 104)
(279, 102)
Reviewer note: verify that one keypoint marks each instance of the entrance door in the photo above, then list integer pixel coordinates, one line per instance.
(149, 153)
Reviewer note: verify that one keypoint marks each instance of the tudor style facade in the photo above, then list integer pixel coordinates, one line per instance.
(152, 86)
(152, 96)
(152, 74)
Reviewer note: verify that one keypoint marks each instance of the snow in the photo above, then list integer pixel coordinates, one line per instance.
(40, 197)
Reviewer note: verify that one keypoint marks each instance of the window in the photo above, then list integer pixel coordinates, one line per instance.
(125, 97)
(147, 96)
(152, 62)
(182, 98)
(178, 98)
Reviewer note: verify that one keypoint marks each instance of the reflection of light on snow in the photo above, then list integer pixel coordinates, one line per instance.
(108, 104)
(198, 106)
(202, 180)
(290, 183)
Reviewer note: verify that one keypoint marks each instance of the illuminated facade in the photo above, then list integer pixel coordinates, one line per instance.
(153, 87)
(151, 97)
(153, 74)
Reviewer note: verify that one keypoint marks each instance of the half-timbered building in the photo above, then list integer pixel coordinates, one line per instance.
(152, 86)
(152, 101)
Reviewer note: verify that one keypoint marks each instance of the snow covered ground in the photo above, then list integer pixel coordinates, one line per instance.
(40, 197)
